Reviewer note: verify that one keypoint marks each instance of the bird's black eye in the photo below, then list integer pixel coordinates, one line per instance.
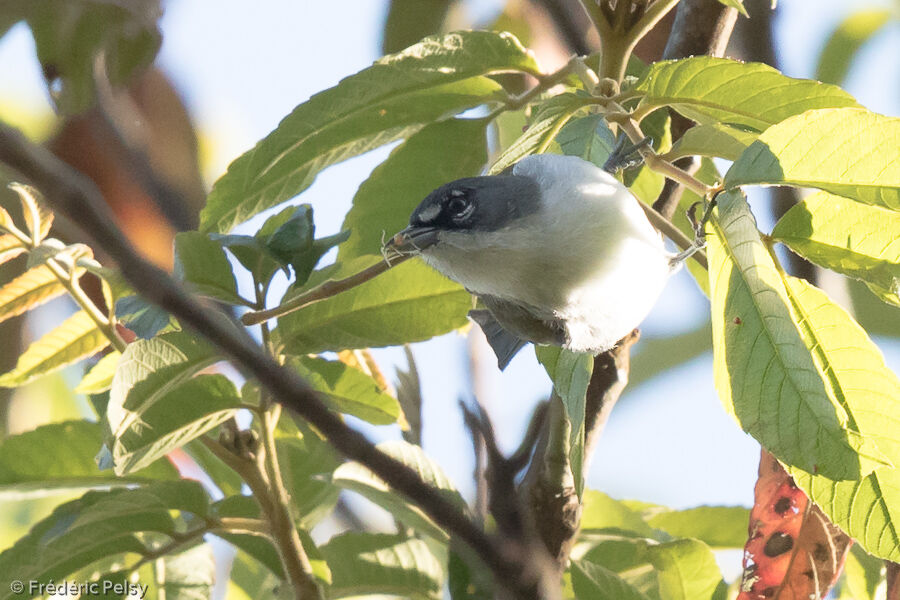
(459, 205)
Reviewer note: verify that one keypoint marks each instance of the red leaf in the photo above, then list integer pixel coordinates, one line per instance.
(793, 552)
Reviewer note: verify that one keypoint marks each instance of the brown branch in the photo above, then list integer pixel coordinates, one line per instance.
(700, 27)
(73, 195)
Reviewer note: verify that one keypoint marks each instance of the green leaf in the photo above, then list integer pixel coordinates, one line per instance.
(201, 263)
(587, 137)
(549, 118)
(409, 303)
(10, 246)
(377, 563)
(391, 99)
(60, 457)
(182, 414)
(754, 95)
(862, 576)
(69, 35)
(769, 371)
(604, 514)
(348, 390)
(188, 575)
(716, 139)
(353, 476)
(850, 152)
(846, 40)
(76, 338)
(141, 317)
(226, 479)
(408, 21)
(848, 237)
(306, 467)
(259, 547)
(594, 582)
(439, 153)
(687, 571)
(99, 524)
(250, 580)
(736, 4)
(570, 373)
(32, 288)
(99, 378)
(717, 526)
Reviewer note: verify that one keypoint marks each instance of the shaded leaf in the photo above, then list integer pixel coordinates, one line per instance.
(408, 21)
(754, 95)
(409, 303)
(850, 152)
(348, 390)
(587, 137)
(846, 40)
(439, 153)
(785, 390)
(259, 547)
(863, 576)
(32, 288)
(599, 583)
(375, 563)
(76, 338)
(201, 263)
(391, 99)
(306, 467)
(848, 237)
(716, 139)
(99, 378)
(187, 575)
(142, 317)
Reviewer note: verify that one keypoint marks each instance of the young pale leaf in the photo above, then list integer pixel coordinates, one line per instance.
(78, 337)
(736, 4)
(100, 377)
(354, 476)
(38, 216)
(848, 237)
(148, 370)
(348, 390)
(754, 95)
(594, 582)
(10, 245)
(717, 139)
(201, 263)
(391, 99)
(850, 152)
(409, 303)
(439, 153)
(100, 524)
(32, 288)
(845, 41)
(717, 526)
(687, 570)
(182, 414)
(377, 563)
(570, 373)
(550, 116)
(60, 456)
(794, 397)
(863, 576)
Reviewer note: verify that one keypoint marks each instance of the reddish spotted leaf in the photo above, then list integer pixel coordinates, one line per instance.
(793, 551)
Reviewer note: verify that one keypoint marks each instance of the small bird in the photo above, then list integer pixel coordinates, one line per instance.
(557, 250)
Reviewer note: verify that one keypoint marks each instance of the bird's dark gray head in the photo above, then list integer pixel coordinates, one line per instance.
(471, 204)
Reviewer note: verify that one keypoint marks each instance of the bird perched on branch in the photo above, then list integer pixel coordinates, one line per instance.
(557, 250)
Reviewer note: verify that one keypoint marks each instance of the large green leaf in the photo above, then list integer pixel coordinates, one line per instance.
(437, 154)
(754, 95)
(61, 456)
(348, 389)
(99, 524)
(201, 263)
(307, 463)
(409, 303)
(184, 413)
(32, 288)
(408, 21)
(377, 563)
(595, 582)
(550, 117)
(354, 476)
(797, 398)
(391, 99)
(604, 514)
(862, 576)
(717, 526)
(187, 575)
(69, 35)
(687, 570)
(850, 152)
(76, 338)
(570, 373)
(848, 237)
(716, 139)
(587, 137)
(845, 41)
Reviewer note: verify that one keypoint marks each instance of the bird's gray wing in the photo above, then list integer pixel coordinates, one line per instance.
(509, 325)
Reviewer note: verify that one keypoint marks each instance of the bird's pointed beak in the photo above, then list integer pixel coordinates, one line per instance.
(412, 240)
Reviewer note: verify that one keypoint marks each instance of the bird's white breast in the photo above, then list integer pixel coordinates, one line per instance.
(588, 255)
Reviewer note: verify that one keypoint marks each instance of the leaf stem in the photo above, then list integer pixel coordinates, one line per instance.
(545, 82)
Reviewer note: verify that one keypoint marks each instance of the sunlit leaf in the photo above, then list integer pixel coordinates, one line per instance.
(76, 338)
(849, 152)
(687, 570)
(846, 40)
(800, 400)
(717, 526)
(32, 288)
(599, 583)
(736, 4)
(391, 99)
(848, 237)
(100, 377)
(754, 95)
(604, 514)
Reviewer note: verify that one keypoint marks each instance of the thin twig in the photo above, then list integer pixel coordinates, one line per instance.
(75, 196)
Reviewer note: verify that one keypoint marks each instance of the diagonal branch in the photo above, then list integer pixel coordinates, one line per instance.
(70, 193)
